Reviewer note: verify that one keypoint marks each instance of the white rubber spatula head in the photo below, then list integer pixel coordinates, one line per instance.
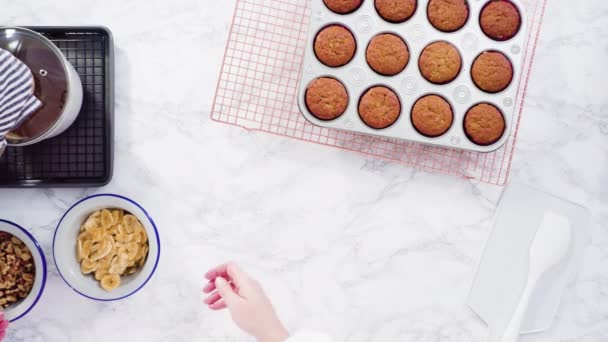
(550, 246)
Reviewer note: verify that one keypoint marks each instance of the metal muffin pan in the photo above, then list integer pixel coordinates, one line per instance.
(462, 94)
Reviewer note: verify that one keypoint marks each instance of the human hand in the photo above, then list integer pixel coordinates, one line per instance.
(229, 287)
(3, 326)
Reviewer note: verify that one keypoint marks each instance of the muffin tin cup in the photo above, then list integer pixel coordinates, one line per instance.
(462, 93)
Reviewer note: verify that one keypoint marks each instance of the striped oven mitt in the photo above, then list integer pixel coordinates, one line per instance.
(17, 100)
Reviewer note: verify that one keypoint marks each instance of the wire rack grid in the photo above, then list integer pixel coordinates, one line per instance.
(257, 90)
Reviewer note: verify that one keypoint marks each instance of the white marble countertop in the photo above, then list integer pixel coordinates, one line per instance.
(360, 248)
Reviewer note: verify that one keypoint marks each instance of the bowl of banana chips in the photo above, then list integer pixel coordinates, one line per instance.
(106, 247)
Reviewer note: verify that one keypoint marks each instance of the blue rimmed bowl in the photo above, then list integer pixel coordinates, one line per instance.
(64, 248)
(21, 308)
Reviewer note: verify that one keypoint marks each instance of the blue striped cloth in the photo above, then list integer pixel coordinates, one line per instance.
(17, 100)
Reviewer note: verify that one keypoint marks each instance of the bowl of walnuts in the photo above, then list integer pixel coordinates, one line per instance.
(106, 247)
(22, 271)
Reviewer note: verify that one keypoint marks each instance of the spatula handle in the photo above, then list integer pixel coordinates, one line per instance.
(512, 332)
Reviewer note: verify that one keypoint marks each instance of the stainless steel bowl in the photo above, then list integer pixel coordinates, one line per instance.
(58, 85)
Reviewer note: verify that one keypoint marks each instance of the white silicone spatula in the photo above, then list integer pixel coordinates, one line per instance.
(550, 246)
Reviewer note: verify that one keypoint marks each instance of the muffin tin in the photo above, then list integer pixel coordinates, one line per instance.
(462, 93)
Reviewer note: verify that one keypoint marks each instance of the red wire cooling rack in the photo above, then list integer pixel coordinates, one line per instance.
(257, 90)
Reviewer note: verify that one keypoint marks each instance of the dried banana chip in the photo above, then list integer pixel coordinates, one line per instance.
(119, 264)
(120, 229)
(110, 282)
(87, 266)
(107, 220)
(102, 248)
(79, 251)
(136, 238)
(143, 237)
(143, 255)
(97, 234)
(91, 222)
(84, 249)
(106, 261)
(132, 250)
(129, 221)
(118, 214)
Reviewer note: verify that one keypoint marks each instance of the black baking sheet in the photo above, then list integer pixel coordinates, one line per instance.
(83, 155)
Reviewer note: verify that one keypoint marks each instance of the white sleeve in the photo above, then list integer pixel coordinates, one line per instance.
(309, 337)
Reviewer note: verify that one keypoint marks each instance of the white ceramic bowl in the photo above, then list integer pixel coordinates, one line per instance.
(64, 248)
(16, 311)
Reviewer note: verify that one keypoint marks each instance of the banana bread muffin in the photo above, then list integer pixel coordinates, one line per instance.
(387, 54)
(484, 124)
(396, 11)
(492, 72)
(343, 6)
(326, 98)
(432, 116)
(448, 15)
(379, 107)
(335, 46)
(440, 62)
(500, 20)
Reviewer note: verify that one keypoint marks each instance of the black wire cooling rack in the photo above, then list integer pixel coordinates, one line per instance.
(83, 155)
